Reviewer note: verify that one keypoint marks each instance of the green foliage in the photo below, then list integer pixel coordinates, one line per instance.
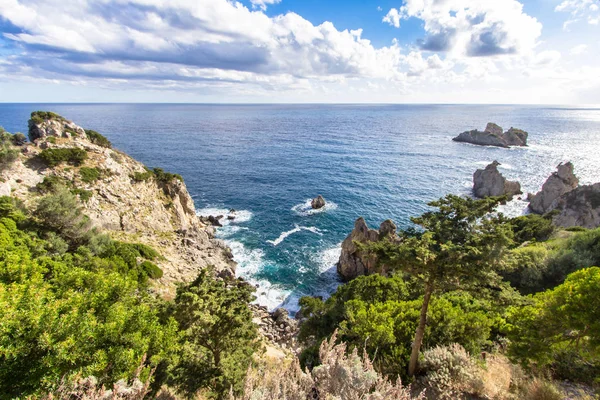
(61, 213)
(59, 318)
(152, 270)
(51, 139)
(10, 208)
(559, 324)
(157, 173)
(8, 154)
(142, 176)
(40, 116)
(97, 138)
(84, 195)
(545, 265)
(532, 227)
(219, 337)
(19, 139)
(381, 315)
(54, 157)
(89, 175)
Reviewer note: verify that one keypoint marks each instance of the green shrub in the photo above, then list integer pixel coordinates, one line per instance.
(97, 138)
(19, 139)
(89, 175)
(51, 139)
(165, 177)
(532, 227)
(152, 270)
(142, 176)
(51, 183)
(40, 116)
(54, 157)
(8, 155)
(84, 195)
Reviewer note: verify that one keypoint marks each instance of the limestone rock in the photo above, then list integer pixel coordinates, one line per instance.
(490, 182)
(352, 262)
(317, 202)
(57, 127)
(5, 189)
(560, 182)
(579, 207)
(494, 136)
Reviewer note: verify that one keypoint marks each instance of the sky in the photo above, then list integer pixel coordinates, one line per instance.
(301, 51)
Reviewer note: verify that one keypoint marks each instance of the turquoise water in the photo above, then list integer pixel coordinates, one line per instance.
(376, 161)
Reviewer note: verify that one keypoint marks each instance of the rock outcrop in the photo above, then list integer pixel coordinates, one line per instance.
(493, 135)
(560, 182)
(317, 202)
(579, 207)
(353, 262)
(490, 182)
(147, 210)
(277, 327)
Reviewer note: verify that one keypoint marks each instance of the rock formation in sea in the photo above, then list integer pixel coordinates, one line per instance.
(127, 201)
(353, 262)
(579, 207)
(318, 202)
(493, 135)
(560, 182)
(490, 182)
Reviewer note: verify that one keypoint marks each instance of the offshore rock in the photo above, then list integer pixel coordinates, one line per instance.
(490, 182)
(317, 202)
(354, 263)
(579, 207)
(494, 136)
(560, 182)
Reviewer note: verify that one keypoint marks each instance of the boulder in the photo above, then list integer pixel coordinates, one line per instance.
(579, 207)
(317, 202)
(354, 263)
(560, 182)
(494, 136)
(490, 182)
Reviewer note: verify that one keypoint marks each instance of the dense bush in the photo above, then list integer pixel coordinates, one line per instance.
(156, 173)
(97, 138)
(40, 116)
(545, 265)
(151, 269)
(561, 326)
(19, 139)
(89, 175)
(54, 157)
(219, 337)
(51, 183)
(532, 227)
(8, 154)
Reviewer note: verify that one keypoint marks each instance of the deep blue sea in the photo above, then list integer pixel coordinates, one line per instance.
(376, 161)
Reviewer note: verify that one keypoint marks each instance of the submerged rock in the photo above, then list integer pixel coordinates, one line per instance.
(560, 182)
(490, 182)
(579, 207)
(318, 202)
(354, 263)
(494, 136)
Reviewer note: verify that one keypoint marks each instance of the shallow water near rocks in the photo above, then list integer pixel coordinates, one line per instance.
(376, 161)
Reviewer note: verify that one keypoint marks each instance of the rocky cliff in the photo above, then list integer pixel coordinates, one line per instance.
(490, 182)
(353, 262)
(121, 197)
(579, 207)
(493, 135)
(560, 182)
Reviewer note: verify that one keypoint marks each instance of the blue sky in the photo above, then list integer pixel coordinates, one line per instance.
(400, 51)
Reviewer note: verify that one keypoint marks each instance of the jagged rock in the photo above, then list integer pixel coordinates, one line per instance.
(579, 207)
(493, 136)
(490, 182)
(215, 220)
(560, 182)
(354, 263)
(318, 202)
(54, 127)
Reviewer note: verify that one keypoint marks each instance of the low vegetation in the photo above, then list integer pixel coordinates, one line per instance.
(157, 173)
(39, 117)
(97, 138)
(54, 157)
(89, 175)
(8, 152)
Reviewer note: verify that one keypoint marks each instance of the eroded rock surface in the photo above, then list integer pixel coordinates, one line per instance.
(579, 207)
(490, 182)
(317, 202)
(493, 135)
(560, 182)
(354, 263)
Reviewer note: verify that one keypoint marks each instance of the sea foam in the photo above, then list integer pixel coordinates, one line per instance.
(284, 235)
(305, 209)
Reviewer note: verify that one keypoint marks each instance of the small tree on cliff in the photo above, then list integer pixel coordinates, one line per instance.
(461, 247)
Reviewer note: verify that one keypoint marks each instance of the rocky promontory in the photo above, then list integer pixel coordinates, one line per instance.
(493, 135)
(353, 262)
(560, 182)
(490, 182)
(120, 196)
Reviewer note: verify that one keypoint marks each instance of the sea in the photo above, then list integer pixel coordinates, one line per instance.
(376, 161)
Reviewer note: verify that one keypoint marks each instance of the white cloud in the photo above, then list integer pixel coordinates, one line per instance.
(588, 9)
(262, 4)
(474, 27)
(579, 49)
(392, 18)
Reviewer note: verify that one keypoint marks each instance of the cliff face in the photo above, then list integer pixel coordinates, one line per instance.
(126, 200)
(559, 183)
(490, 182)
